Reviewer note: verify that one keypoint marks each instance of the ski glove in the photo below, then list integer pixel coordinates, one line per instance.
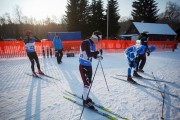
(148, 53)
(131, 64)
(95, 54)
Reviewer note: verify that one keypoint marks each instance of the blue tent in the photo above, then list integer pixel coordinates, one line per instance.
(65, 36)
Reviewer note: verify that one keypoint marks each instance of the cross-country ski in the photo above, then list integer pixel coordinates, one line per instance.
(35, 76)
(150, 79)
(95, 110)
(99, 106)
(45, 75)
(155, 89)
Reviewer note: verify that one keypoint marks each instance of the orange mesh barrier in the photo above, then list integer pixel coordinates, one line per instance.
(10, 49)
(72, 46)
(164, 45)
(121, 45)
(115, 44)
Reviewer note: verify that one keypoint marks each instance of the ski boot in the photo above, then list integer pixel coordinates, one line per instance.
(129, 79)
(34, 74)
(140, 70)
(88, 103)
(135, 74)
(40, 72)
(90, 100)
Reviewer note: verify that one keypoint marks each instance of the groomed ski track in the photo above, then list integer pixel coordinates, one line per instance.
(25, 97)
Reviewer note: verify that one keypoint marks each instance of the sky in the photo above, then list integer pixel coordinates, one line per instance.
(40, 9)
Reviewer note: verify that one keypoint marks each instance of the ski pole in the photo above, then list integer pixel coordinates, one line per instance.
(104, 76)
(90, 88)
(162, 118)
(101, 52)
(157, 85)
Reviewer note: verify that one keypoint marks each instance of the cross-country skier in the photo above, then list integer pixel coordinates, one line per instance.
(87, 52)
(141, 61)
(132, 53)
(57, 42)
(29, 41)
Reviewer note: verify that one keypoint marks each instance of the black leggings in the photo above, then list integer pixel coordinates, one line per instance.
(33, 56)
(59, 55)
(141, 61)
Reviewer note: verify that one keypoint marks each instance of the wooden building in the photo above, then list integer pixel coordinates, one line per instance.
(156, 31)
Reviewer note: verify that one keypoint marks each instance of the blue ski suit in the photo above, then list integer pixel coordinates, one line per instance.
(132, 53)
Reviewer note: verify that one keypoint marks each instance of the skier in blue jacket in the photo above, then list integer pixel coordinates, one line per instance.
(29, 41)
(57, 42)
(132, 53)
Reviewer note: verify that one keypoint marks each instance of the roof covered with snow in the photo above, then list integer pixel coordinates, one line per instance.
(154, 28)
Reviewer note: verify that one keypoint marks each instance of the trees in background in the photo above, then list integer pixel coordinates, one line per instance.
(172, 12)
(86, 17)
(14, 28)
(78, 16)
(171, 15)
(113, 18)
(145, 10)
(97, 17)
(83, 15)
(71, 17)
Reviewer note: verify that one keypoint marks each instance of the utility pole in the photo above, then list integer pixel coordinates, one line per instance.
(107, 19)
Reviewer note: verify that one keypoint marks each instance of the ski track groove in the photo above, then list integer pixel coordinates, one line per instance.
(15, 88)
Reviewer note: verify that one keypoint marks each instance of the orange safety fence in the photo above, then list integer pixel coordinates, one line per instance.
(9, 49)
(121, 45)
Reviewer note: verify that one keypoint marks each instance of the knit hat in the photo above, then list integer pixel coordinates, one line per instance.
(97, 34)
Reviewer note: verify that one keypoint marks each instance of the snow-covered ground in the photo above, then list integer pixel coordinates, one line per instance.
(24, 97)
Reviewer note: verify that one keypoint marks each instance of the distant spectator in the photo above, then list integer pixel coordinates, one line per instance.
(57, 42)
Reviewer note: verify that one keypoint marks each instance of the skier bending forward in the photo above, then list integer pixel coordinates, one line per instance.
(132, 54)
(87, 51)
